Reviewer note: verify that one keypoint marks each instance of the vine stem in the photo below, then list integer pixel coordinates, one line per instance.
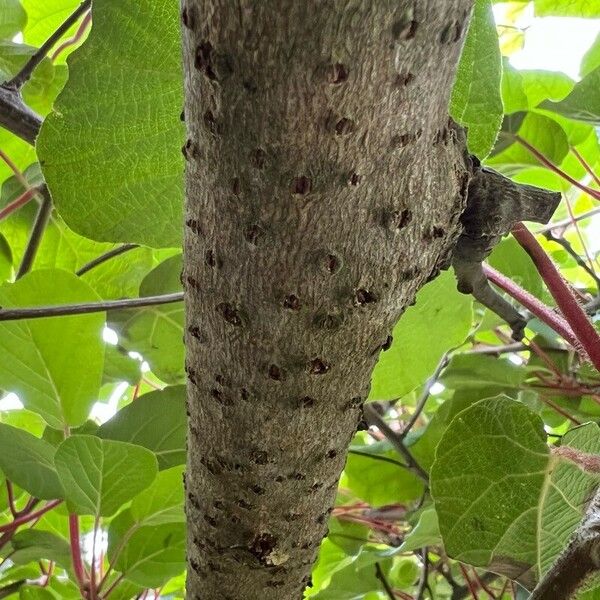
(538, 308)
(567, 303)
(23, 76)
(26, 518)
(586, 166)
(85, 23)
(23, 199)
(550, 165)
(13, 167)
(40, 312)
(76, 553)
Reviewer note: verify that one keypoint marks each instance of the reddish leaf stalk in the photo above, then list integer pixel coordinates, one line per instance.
(539, 309)
(13, 167)
(468, 581)
(85, 23)
(548, 163)
(567, 303)
(586, 166)
(23, 199)
(78, 567)
(26, 518)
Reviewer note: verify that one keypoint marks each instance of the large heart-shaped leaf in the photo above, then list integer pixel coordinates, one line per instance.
(98, 476)
(111, 149)
(502, 500)
(156, 421)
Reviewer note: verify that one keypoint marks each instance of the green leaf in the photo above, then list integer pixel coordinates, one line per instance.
(156, 421)
(380, 482)
(44, 18)
(591, 58)
(583, 103)
(425, 533)
(28, 462)
(12, 18)
(442, 316)
(481, 371)
(54, 365)
(476, 101)
(567, 8)
(119, 366)
(150, 555)
(113, 143)
(98, 476)
(162, 502)
(32, 545)
(156, 332)
(501, 500)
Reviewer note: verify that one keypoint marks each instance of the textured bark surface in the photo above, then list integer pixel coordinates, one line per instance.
(324, 186)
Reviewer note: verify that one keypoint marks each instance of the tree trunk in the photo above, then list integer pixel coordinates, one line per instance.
(324, 187)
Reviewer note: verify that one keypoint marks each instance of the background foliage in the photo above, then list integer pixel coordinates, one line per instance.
(92, 431)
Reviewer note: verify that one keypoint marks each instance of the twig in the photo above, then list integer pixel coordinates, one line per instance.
(470, 586)
(571, 251)
(378, 457)
(498, 350)
(566, 301)
(11, 499)
(104, 257)
(569, 221)
(577, 562)
(11, 588)
(17, 82)
(424, 397)
(384, 582)
(424, 575)
(37, 232)
(40, 312)
(17, 117)
(374, 418)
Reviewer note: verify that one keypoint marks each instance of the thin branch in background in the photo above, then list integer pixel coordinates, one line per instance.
(83, 26)
(424, 397)
(373, 417)
(550, 165)
(559, 410)
(470, 584)
(23, 199)
(28, 516)
(568, 222)
(37, 231)
(573, 313)
(40, 312)
(93, 589)
(386, 459)
(11, 588)
(17, 82)
(10, 495)
(586, 166)
(530, 302)
(384, 582)
(423, 584)
(579, 234)
(512, 347)
(13, 167)
(482, 584)
(104, 257)
(571, 251)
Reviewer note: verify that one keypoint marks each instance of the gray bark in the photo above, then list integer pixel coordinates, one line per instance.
(324, 185)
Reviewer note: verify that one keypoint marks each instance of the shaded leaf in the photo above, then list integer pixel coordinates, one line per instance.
(98, 476)
(28, 462)
(54, 365)
(113, 142)
(156, 421)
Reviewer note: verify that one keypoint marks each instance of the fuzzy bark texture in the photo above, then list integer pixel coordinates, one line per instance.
(324, 187)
